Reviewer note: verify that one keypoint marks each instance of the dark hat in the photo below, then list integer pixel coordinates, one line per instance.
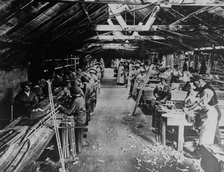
(26, 83)
(192, 79)
(165, 78)
(76, 91)
(175, 66)
(197, 77)
(84, 79)
(92, 71)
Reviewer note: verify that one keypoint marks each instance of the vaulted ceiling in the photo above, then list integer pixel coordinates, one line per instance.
(32, 26)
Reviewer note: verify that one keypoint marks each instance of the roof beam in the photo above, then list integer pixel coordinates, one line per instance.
(12, 10)
(70, 33)
(67, 33)
(126, 37)
(115, 10)
(211, 28)
(115, 33)
(209, 48)
(191, 15)
(87, 15)
(168, 3)
(48, 21)
(31, 17)
(140, 28)
(112, 46)
(152, 18)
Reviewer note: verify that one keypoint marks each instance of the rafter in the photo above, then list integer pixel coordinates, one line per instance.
(69, 33)
(14, 10)
(152, 18)
(115, 33)
(211, 28)
(167, 3)
(126, 37)
(31, 17)
(141, 27)
(201, 10)
(115, 10)
(87, 15)
(173, 33)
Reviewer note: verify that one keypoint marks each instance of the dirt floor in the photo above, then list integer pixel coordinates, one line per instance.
(123, 143)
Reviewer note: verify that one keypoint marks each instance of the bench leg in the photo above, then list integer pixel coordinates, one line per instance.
(79, 139)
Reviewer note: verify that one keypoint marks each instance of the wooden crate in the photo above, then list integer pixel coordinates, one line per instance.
(178, 95)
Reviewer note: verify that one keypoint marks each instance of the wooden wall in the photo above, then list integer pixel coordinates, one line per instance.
(9, 86)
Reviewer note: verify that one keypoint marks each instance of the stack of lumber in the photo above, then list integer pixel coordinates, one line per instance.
(24, 139)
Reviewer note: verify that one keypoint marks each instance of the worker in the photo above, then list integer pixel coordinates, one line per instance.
(76, 84)
(121, 74)
(135, 85)
(206, 116)
(65, 96)
(78, 110)
(209, 133)
(176, 74)
(141, 77)
(167, 74)
(41, 89)
(154, 71)
(185, 68)
(94, 84)
(140, 81)
(162, 90)
(186, 76)
(25, 100)
(87, 89)
(162, 93)
(191, 97)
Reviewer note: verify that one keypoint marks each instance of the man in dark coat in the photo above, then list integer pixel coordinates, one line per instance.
(25, 100)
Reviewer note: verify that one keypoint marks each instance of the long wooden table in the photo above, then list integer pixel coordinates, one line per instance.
(24, 139)
(175, 119)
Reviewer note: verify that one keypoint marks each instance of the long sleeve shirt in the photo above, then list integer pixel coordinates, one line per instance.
(78, 109)
(24, 103)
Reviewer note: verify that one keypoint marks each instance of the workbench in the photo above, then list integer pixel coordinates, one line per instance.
(24, 139)
(179, 120)
(171, 117)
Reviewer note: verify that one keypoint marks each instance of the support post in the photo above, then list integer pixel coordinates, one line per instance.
(140, 92)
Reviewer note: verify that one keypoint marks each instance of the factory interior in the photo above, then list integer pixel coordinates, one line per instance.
(112, 85)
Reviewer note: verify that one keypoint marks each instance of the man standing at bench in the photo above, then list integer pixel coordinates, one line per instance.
(210, 131)
(78, 110)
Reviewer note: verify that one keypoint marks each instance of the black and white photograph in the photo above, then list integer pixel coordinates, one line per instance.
(111, 86)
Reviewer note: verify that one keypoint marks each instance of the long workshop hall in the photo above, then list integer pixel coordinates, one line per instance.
(123, 143)
(112, 85)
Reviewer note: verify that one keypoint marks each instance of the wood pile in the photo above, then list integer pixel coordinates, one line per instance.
(24, 139)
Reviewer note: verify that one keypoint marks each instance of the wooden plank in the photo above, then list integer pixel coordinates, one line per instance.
(180, 138)
(126, 37)
(191, 15)
(152, 18)
(39, 143)
(140, 28)
(140, 2)
(115, 10)
(163, 139)
(72, 136)
(12, 150)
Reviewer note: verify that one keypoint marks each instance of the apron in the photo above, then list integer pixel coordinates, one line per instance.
(208, 130)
